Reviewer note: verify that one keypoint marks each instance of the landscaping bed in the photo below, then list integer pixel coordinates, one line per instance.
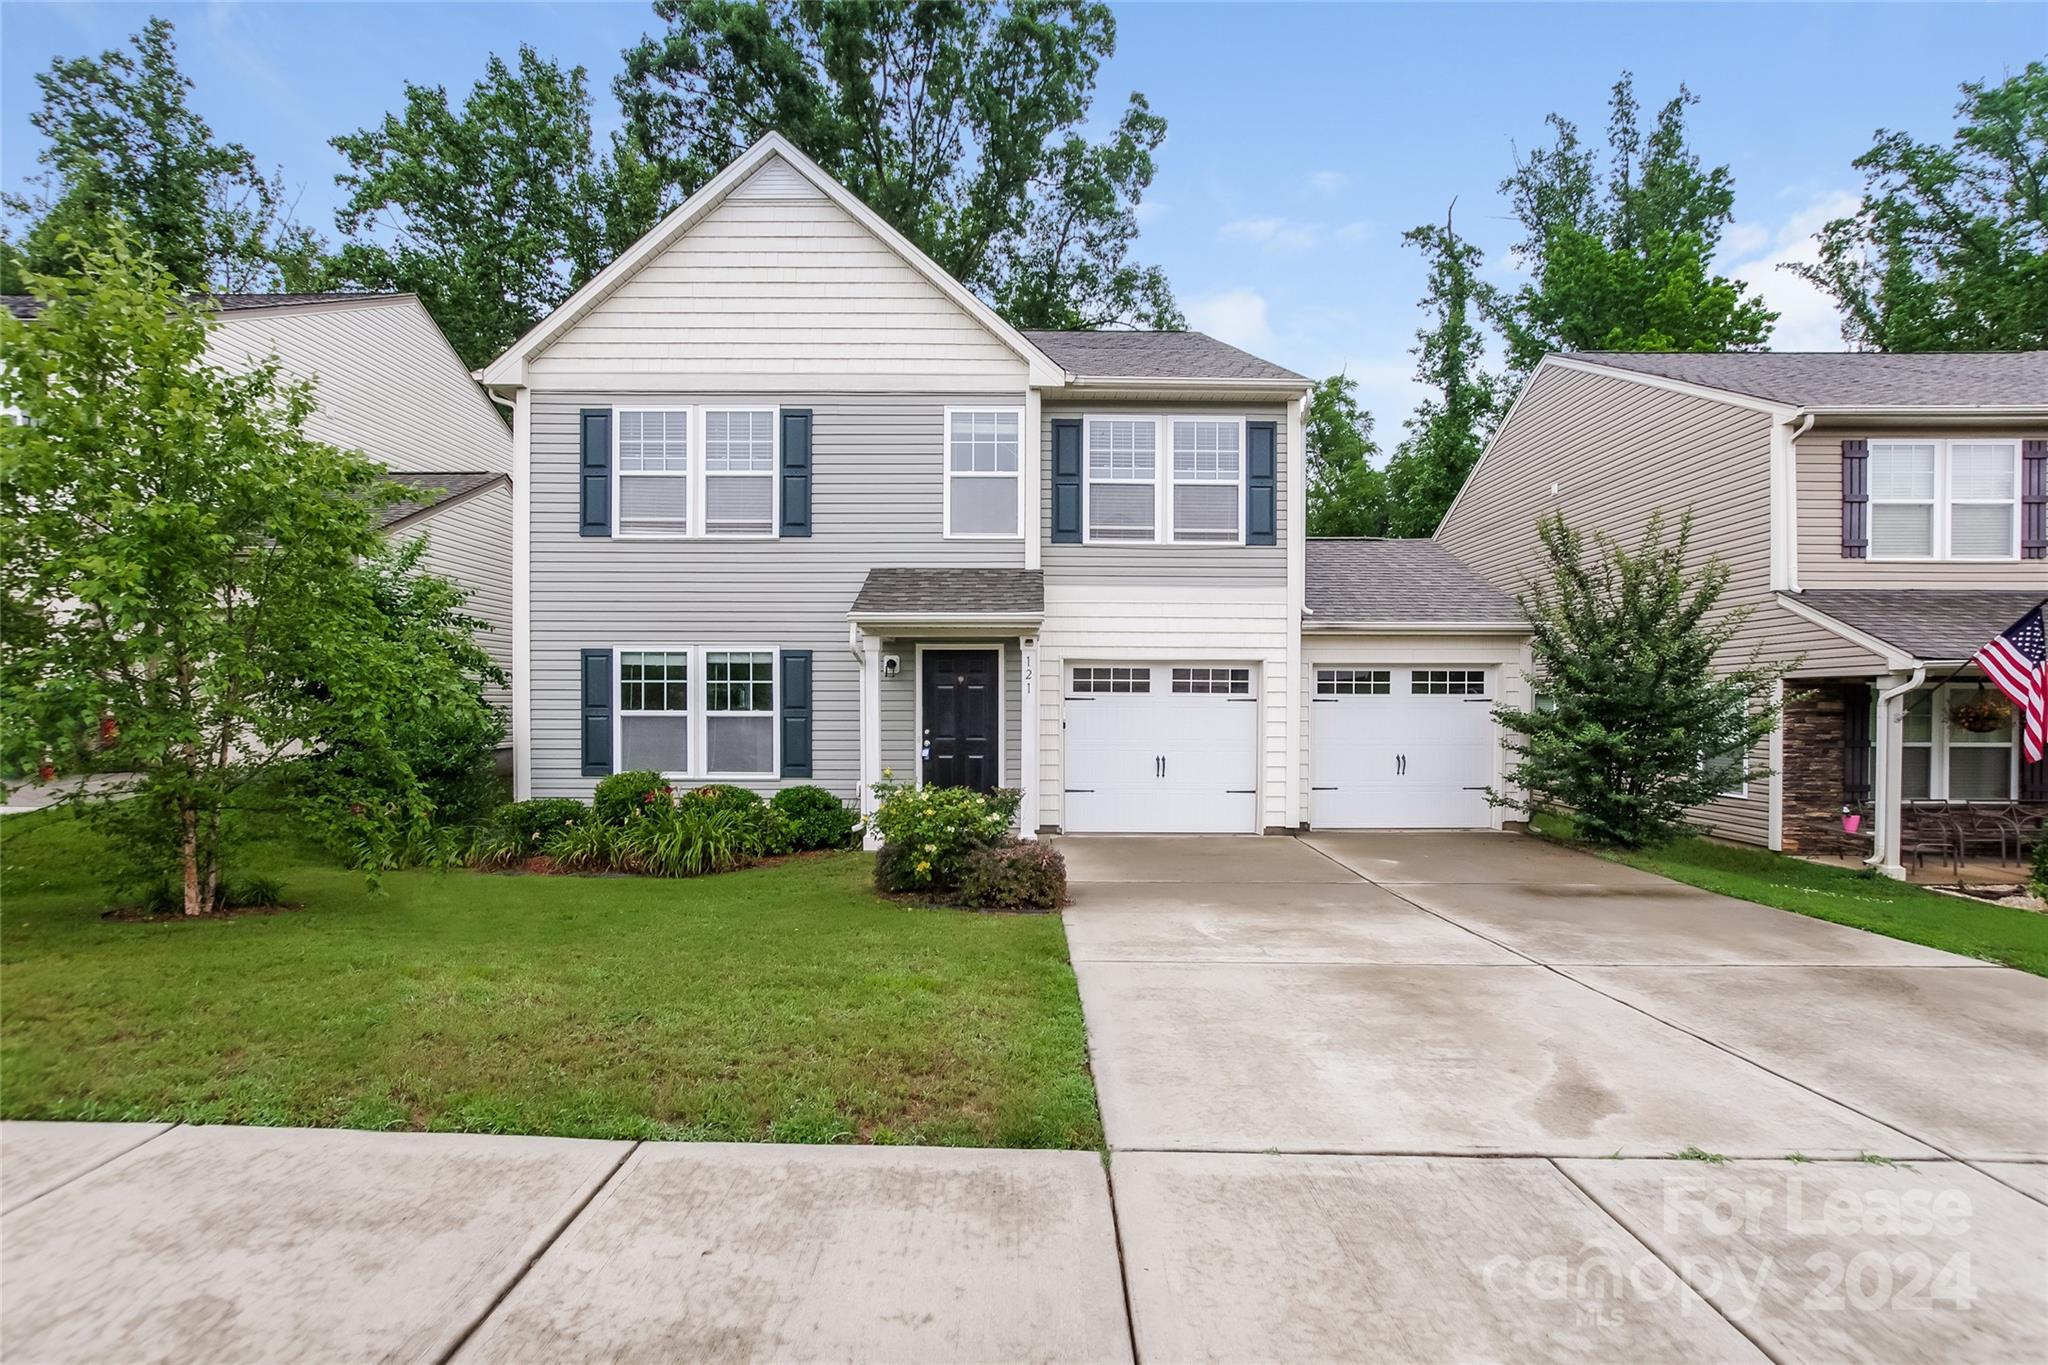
(787, 1002)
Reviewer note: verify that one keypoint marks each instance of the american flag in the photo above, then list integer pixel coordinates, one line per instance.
(2017, 660)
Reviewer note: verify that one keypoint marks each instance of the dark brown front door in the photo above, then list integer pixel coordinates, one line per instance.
(960, 718)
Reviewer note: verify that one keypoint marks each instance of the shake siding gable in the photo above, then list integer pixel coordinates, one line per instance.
(779, 293)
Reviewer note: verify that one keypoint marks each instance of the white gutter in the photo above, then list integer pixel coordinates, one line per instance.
(1887, 811)
(1417, 627)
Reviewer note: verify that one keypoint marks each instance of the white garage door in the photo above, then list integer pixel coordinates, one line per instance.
(1161, 749)
(1400, 747)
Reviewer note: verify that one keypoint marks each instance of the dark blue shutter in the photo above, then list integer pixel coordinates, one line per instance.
(796, 713)
(1261, 501)
(595, 431)
(796, 477)
(597, 712)
(1066, 482)
(1855, 499)
(2034, 500)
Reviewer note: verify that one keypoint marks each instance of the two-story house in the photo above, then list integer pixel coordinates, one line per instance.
(1882, 516)
(792, 505)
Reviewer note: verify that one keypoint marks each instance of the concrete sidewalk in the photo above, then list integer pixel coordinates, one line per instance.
(144, 1242)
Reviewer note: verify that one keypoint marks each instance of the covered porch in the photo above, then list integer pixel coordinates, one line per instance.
(948, 662)
(1915, 770)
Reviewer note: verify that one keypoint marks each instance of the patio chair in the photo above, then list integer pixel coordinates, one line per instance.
(1931, 831)
(1980, 824)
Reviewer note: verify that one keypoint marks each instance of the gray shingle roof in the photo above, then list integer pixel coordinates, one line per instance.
(1855, 379)
(445, 488)
(943, 592)
(26, 306)
(1371, 581)
(1933, 625)
(1153, 355)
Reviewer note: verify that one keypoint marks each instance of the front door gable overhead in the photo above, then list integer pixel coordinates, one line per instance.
(773, 164)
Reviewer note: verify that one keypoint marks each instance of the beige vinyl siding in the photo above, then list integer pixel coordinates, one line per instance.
(876, 501)
(386, 382)
(1166, 562)
(1617, 451)
(471, 542)
(763, 293)
(1819, 492)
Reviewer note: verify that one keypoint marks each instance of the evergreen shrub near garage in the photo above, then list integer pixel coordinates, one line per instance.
(1026, 875)
(955, 843)
(817, 819)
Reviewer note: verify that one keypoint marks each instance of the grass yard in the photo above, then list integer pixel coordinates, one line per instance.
(783, 1003)
(1979, 929)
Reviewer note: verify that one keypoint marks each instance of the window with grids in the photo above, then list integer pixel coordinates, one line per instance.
(1944, 499)
(654, 711)
(1354, 682)
(1123, 478)
(653, 449)
(1112, 680)
(739, 472)
(739, 712)
(1236, 682)
(1447, 682)
(982, 480)
(1941, 760)
(1208, 479)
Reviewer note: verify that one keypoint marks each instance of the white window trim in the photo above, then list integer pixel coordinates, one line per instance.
(1088, 479)
(697, 714)
(1244, 459)
(1942, 505)
(1740, 791)
(618, 474)
(697, 472)
(995, 647)
(1937, 745)
(702, 472)
(946, 468)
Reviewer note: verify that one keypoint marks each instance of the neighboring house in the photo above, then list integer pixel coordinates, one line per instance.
(1882, 517)
(794, 506)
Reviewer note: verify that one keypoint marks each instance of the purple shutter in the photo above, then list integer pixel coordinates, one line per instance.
(1855, 499)
(2034, 500)
(2034, 781)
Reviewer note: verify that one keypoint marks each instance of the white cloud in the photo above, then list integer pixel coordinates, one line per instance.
(1237, 316)
(1327, 182)
(1273, 234)
(1353, 232)
(1807, 318)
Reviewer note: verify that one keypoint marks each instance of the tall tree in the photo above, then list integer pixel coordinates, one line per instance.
(1949, 251)
(1622, 262)
(959, 123)
(189, 576)
(1347, 492)
(494, 211)
(125, 147)
(1449, 429)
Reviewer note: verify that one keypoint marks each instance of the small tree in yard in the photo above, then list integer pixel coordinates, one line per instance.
(191, 578)
(1635, 725)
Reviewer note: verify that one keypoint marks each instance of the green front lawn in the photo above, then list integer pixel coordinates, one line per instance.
(1979, 929)
(784, 1003)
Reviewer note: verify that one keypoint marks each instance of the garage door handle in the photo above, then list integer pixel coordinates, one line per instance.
(1240, 791)
(1322, 789)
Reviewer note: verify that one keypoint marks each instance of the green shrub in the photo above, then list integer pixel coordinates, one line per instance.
(817, 818)
(1021, 876)
(252, 891)
(536, 821)
(769, 832)
(687, 839)
(497, 846)
(621, 796)
(2040, 873)
(586, 846)
(937, 827)
(725, 796)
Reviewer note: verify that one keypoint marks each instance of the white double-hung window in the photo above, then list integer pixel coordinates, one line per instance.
(654, 710)
(1208, 479)
(652, 446)
(1122, 498)
(739, 471)
(1946, 761)
(739, 712)
(1944, 499)
(983, 483)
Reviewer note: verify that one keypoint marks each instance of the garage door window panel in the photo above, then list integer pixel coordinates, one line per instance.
(1234, 682)
(1447, 682)
(1208, 480)
(1354, 682)
(1112, 680)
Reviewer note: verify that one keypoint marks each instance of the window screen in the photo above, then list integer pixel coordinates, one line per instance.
(654, 472)
(739, 473)
(982, 454)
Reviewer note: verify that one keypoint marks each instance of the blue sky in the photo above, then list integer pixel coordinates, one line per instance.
(1303, 138)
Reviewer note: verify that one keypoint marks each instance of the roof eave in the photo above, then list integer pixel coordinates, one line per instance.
(1320, 625)
(1995, 411)
(1103, 381)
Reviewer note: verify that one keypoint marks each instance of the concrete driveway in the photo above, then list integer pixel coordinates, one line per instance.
(1422, 1096)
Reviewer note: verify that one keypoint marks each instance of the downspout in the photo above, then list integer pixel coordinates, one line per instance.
(1880, 776)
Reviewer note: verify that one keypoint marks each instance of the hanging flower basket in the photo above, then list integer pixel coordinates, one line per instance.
(1983, 713)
